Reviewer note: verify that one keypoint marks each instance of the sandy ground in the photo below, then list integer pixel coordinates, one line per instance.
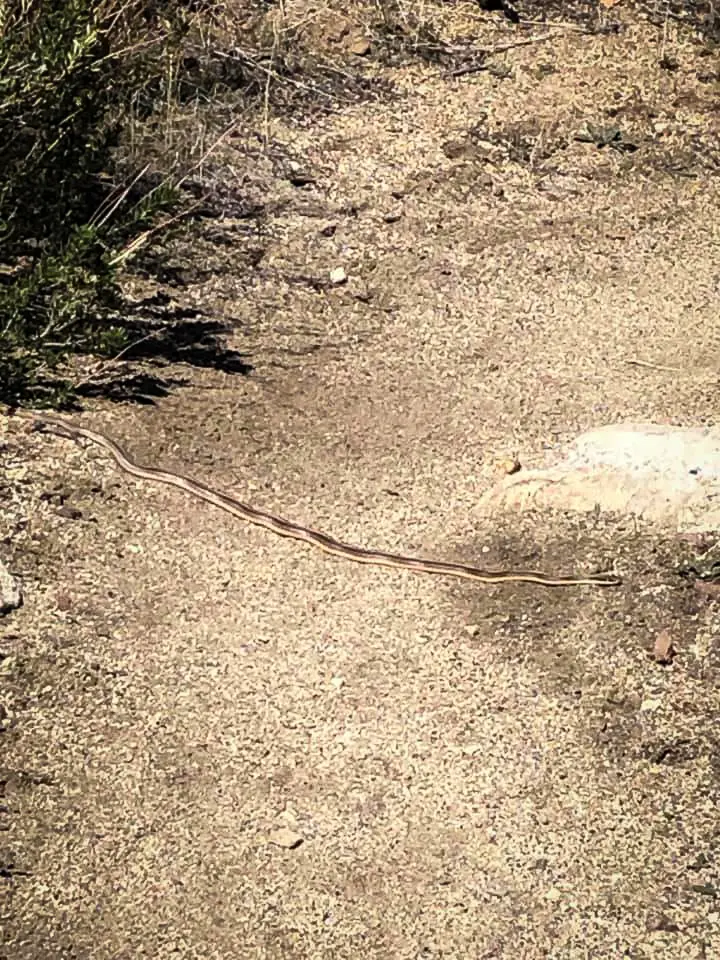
(454, 770)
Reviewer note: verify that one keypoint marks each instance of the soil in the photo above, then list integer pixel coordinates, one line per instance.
(219, 743)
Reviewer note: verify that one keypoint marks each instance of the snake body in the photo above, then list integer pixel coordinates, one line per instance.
(286, 528)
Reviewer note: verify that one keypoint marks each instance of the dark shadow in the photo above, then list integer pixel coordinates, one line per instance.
(158, 336)
(141, 388)
(700, 16)
(590, 649)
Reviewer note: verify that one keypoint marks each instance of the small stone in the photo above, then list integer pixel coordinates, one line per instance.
(656, 921)
(298, 175)
(360, 47)
(16, 473)
(285, 838)
(650, 705)
(454, 149)
(8, 664)
(707, 588)
(10, 591)
(301, 179)
(706, 889)
(499, 70)
(69, 512)
(615, 696)
(472, 629)
(663, 650)
(57, 495)
(510, 465)
(338, 276)
(360, 290)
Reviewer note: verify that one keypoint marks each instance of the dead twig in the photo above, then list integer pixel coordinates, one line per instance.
(122, 256)
(652, 366)
(104, 365)
(558, 25)
(481, 56)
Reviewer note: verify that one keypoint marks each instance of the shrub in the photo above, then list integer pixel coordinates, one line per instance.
(69, 72)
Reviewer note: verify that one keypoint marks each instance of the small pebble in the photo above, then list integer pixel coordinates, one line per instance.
(510, 465)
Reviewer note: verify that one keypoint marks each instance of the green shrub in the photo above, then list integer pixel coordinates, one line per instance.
(69, 72)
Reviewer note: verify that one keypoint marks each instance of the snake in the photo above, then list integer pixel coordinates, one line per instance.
(286, 528)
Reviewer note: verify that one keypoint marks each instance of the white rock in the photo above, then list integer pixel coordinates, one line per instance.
(663, 473)
(286, 838)
(10, 591)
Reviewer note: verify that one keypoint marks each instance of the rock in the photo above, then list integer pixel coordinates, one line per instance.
(657, 921)
(69, 512)
(286, 838)
(300, 177)
(510, 465)
(666, 474)
(10, 591)
(360, 46)
(63, 602)
(360, 290)
(16, 474)
(650, 704)
(663, 650)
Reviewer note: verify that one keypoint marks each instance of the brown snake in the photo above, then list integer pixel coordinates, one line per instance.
(286, 528)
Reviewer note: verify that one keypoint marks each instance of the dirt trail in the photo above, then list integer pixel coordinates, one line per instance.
(472, 772)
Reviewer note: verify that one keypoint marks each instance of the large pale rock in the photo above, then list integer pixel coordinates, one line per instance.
(669, 475)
